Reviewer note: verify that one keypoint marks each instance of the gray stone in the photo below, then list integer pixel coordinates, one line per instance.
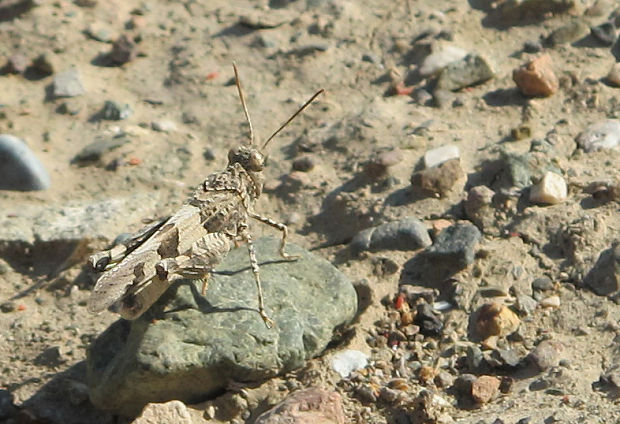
(568, 33)
(471, 70)
(600, 136)
(542, 283)
(604, 277)
(68, 84)
(20, 170)
(114, 111)
(94, 151)
(546, 354)
(406, 234)
(189, 347)
(455, 245)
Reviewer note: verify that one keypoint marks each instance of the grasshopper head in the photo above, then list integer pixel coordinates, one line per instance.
(248, 157)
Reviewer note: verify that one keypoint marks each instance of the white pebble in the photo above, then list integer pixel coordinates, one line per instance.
(347, 361)
(440, 155)
(600, 136)
(550, 190)
(550, 302)
(164, 126)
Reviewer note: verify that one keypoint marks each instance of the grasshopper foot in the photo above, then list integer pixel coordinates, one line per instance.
(268, 321)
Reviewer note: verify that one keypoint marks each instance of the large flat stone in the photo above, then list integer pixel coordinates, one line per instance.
(189, 347)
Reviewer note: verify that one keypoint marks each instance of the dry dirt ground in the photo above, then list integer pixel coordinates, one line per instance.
(285, 52)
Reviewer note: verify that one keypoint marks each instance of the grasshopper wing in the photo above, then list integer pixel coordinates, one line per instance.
(174, 237)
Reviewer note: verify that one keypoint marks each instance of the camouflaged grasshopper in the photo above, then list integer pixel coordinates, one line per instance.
(190, 243)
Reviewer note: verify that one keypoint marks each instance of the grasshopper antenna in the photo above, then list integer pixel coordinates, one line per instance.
(245, 108)
(305, 105)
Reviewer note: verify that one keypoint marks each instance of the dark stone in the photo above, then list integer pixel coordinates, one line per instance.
(605, 33)
(474, 358)
(532, 46)
(604, 277)
(7, 306)
(463, 384)
(115, 111)
(7, 407)
(123, 51)
(303, 164)
(429, 323)
(455, 245)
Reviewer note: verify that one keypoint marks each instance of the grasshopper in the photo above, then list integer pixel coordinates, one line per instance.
(191, 242)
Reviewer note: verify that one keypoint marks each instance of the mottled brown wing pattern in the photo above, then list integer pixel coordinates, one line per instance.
(174, 237)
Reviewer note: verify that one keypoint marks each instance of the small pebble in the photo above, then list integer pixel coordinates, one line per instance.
(68, 84)
(17, 63)
(604, 277)
(304, 164)
(494, 319)
(455, 246)
(551, 190)
(20, 170)
(347, 361)
(377, 166)
(7, 306)
(45, 64)
(536, 78)
(440, 155)
(572, 31)
(550, 302)
(439, 180)
(542, 283)
(99, 32)
(164, 126)
(429, 323)
(532, 46)
(468, 71)
(546, 354)
(440, 58)
(485, 388)
(123, 51)
(114, 111)
(605, 33)
(601, 135)
(406, 234)
(613, 77)
(95, 150)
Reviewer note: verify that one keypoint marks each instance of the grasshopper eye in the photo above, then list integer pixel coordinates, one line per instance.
(257, 161)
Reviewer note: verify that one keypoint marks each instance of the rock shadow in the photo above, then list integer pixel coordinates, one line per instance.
(64, 399)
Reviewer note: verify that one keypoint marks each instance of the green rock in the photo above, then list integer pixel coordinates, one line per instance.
(189, 347)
